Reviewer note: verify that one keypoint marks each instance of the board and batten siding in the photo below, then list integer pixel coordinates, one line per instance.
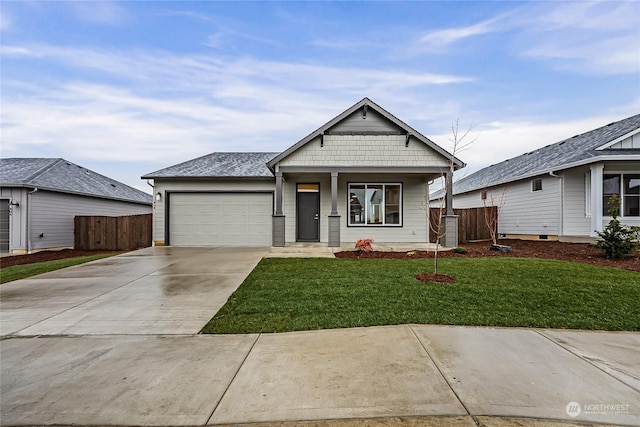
(414, 211)
(204, 185)
(367, 151)
(358, 123)
(524, 211)
(52, 215)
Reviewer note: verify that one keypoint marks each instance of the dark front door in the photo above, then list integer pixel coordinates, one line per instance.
(308, 213)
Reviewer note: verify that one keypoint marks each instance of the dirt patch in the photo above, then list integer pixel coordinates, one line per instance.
(577, 252)
(42, 256)
(435, 278)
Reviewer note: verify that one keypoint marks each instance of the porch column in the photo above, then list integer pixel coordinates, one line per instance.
(450, 220)
(277, 221)
(596, 199)
(334, 218)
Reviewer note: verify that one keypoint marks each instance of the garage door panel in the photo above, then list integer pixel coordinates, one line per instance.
(212, 219)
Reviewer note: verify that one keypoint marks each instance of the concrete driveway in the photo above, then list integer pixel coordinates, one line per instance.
(159, 290)
(114, 342)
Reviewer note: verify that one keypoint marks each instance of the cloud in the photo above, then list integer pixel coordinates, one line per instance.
(5, 21)
(447, 36)
(585, 37)
(99, 12)
(142, 106)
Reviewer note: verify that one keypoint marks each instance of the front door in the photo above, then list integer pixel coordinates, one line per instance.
(308, 212)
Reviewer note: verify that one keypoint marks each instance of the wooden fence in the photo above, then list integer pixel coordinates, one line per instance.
(119, 233)
(471, 223)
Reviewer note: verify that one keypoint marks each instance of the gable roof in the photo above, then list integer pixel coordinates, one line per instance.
(64, 176)
(578, 150)
(362, 104)
(219, 165)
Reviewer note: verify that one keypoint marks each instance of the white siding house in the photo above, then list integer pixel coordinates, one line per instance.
(560, 191)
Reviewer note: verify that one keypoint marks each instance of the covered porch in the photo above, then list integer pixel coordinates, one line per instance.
(336, 206)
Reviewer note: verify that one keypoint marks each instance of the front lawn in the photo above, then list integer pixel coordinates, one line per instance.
(8, 274)
(303, 294)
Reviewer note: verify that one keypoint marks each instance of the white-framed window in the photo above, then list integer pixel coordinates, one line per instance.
(372, 204)
(627, 187)
(536, 184)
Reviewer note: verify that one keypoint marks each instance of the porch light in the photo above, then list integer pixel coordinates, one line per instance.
(158, 196)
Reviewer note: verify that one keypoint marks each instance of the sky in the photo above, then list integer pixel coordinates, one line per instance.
(127, 88)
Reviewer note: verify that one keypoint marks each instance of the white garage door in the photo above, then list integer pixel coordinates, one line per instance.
(227, 219)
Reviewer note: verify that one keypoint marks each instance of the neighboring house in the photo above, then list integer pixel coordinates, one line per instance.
(40, 197)
(561, 191)
(365, 173)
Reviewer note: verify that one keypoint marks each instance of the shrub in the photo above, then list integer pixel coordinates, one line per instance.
(617, 240)
(460, 250)
(364, 245)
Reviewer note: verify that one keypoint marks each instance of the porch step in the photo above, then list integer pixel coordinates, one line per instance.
(302, 251)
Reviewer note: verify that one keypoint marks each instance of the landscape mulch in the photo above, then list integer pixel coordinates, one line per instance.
(577, 252)
(42, 256)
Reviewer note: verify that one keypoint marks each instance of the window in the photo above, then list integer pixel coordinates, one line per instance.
(536, 185)
(375, 204)
(625, 186)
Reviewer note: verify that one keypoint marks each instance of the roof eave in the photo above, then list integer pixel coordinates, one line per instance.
(75, 193)
(555, 169)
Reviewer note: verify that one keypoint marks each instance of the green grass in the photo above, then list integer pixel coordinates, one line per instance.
(8, 274)
(304, 294)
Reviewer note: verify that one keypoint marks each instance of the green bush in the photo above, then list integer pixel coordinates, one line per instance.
(460, 250)
(617, 240)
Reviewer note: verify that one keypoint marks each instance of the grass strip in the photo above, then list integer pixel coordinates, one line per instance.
(8, 274)
(304, 294)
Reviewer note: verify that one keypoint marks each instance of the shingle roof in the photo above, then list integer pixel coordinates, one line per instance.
(219, 165)
(64, 176)
(578, 149)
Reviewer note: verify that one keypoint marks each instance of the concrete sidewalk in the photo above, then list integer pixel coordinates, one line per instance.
(394, 375)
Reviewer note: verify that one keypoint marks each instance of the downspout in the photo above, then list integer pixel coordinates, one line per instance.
(561, 223)
(29, 248)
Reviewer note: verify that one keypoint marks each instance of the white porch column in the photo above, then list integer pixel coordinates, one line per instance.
(596, 198)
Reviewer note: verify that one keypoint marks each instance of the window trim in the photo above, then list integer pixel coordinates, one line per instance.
(384, 184)
(534, 188)
(621, 194)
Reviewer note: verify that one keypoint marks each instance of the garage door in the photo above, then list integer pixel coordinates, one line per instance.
(227, 219)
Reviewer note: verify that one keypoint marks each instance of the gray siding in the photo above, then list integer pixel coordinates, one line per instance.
(17, 217)
(52, 215)
(162, 186)
(365, 150)
(414, 188)
(373, 122)
(524, 211)
(575, 219)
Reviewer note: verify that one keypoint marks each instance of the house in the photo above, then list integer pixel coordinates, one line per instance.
(364, 173)
(561, 191)
(39, 198)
